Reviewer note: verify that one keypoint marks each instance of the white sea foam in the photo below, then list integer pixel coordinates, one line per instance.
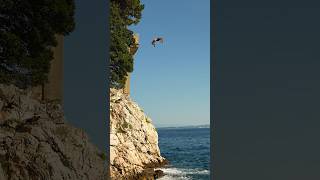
(197, 171)
(168, 177)
(181, 174)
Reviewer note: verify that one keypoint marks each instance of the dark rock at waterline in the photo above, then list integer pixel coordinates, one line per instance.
(148, 174)
(158, 174)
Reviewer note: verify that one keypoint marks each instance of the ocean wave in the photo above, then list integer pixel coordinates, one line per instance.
(168, 177)
(182, 174)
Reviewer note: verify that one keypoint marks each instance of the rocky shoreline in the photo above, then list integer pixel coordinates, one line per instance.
(149, 172)
(37, 143)
(134, 150)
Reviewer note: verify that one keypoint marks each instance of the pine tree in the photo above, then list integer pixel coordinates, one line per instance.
(27, 35)
(123, 13)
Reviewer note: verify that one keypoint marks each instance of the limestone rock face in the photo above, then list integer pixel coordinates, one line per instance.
(37, 144)
(134, 150)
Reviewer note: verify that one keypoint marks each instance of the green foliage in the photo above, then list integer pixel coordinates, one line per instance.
(147, 120)
(103, 156)
(130, 10)
(27, 34)
(124, 126)
(123, 14)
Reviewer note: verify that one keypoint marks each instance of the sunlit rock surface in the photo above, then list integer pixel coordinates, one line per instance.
(134, 150)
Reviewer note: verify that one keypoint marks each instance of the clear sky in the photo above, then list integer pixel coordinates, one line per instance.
(171, 82)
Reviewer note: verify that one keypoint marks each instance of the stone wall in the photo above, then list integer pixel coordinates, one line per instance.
(126, 88)
(133, 49)
(53, 90)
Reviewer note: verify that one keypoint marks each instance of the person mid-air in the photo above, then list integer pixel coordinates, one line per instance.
(158, 39)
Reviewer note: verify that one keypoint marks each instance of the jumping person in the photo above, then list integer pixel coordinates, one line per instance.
(158, 39)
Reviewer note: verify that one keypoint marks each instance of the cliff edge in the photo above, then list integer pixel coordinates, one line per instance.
(36, 143)
(134, 150)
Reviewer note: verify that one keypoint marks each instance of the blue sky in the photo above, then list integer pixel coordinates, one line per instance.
(171, 82)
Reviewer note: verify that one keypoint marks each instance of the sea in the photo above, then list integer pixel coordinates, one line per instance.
(188, 152)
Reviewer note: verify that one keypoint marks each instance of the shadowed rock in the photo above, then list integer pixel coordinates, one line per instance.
(36, 143)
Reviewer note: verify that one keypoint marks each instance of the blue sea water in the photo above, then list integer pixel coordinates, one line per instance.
(188, 151)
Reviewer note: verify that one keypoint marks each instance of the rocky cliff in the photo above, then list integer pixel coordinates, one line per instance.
(36, 143)
(134, 151)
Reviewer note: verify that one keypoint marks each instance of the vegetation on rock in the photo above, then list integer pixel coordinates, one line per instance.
(27, 35)
(123, 13)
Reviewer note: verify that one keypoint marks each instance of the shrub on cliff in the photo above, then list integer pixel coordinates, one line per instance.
(123, 13)
(27, 33)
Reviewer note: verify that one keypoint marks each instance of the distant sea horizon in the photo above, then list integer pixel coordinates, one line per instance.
(181, 126)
